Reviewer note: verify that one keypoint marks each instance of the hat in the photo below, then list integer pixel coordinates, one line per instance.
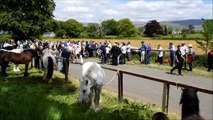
(190, 45)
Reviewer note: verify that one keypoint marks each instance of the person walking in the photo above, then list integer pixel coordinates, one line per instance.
(179, 59)
(190, 56)
(143, 51)
(172, 53)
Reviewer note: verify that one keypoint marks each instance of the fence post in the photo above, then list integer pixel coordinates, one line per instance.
(66, 68)
(165, 98)
(120, 86)
(163, 57)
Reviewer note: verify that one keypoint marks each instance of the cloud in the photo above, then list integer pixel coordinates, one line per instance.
(140, 10)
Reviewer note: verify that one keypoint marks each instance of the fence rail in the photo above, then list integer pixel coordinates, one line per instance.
(166, 86)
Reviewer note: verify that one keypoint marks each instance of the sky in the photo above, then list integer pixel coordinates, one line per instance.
(136, 10)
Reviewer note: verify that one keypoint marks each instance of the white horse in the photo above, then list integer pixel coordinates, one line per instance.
(91, 81)
(49, 62)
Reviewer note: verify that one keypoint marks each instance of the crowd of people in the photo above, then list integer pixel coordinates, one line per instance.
(116, 52)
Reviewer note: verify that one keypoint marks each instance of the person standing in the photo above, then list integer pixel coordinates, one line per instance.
(123, 53)
(179, 59)
(148, 54)
(190, 56)
(65, 54)
(210, 60)
(103, 53)
(143, 51)
(184, 51)
(160, 54)
(128, 51)
(115, 51)
(172, 53)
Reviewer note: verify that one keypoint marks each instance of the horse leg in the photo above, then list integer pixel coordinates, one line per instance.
(26, 74)
(44, 78)
(97, 98)
(3, 69)
(14, 68)
(92, 106)
(17, 68)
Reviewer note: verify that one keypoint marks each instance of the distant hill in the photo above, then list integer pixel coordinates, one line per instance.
(180, 24)
(194, 22)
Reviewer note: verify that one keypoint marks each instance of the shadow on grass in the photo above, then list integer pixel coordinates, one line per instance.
(29, 98)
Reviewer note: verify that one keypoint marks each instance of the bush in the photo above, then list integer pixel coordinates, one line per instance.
(200, 61)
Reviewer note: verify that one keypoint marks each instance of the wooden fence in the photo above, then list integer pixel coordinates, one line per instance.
(166, 83)
(166, 86)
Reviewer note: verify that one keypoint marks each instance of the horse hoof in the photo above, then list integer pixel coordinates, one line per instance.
(26, 75)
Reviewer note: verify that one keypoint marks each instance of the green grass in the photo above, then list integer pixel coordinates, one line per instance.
(29, 98)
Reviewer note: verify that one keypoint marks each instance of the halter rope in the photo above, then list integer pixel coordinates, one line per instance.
(112, 78)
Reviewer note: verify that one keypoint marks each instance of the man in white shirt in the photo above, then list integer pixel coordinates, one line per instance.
(184, 51)
(160, 54)
(128, 51)
(172, 53)
(123, 51)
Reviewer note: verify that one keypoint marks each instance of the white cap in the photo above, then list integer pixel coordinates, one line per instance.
(190, 45)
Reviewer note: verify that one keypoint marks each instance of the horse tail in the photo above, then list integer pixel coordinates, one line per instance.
(50, 67)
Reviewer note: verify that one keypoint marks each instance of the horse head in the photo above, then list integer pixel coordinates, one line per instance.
(190, 102)
(85, 90)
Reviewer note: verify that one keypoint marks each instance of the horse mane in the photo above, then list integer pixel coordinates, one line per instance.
(190, 104)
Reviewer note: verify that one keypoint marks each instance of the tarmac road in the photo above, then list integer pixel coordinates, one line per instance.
(150, 91)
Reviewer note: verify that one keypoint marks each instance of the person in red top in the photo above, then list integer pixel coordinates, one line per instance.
(190, 56)
(210, 60)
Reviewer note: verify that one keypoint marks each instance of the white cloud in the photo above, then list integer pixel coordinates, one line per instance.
(140, 10)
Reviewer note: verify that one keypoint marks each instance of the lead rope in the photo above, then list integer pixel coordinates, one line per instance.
(112, 78)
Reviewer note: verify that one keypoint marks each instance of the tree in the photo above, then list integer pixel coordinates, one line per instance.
(153, 28)
(72, 27)
(170, 30)
(165, 31)
(191, 29)
(26, 19)
(109, 27)
(93, 30)
(140, 30)
(184, 32)
(126, 28)
(207, 43)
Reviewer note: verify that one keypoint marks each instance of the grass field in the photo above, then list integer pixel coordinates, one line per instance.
(31, 99)
(137, 43)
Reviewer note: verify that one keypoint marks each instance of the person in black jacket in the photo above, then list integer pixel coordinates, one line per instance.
(115, 51)
(65, 54)
(179, 61)
(103, 53)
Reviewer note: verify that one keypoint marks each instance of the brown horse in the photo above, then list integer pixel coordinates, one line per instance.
(17, 58)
